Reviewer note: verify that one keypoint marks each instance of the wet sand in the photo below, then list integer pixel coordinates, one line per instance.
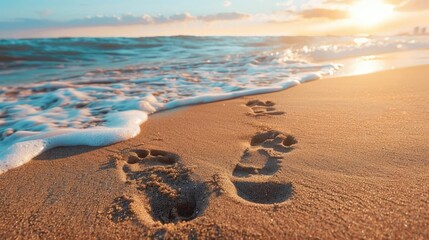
(334, 158)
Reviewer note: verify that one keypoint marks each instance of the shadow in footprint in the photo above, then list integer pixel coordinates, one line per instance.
(263, 192)
(260, 108)
(257, 162)
(166, 184)
(264, 156)
(187, 205)
(151, 157)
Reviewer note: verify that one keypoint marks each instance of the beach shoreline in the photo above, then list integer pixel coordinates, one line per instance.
(334, 158)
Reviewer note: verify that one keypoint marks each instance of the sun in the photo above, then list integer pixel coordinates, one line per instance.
(370, 12)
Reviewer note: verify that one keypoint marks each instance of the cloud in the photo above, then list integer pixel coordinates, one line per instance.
(324, 13)
(224, 17)
(346, 2)
(286, 4)
(123, 20)
(414, 5)
(277, 17)
(227, 3)
(401, 5)
(182, 17)
(351, 2)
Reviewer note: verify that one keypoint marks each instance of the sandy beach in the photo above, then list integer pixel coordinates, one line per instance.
(338, 158)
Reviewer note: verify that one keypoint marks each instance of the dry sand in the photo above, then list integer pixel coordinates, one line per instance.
(335, 158)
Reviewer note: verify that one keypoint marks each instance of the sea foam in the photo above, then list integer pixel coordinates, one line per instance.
(39, 117)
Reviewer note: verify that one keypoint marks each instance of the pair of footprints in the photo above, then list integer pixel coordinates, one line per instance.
(263, 159)
(173, 196)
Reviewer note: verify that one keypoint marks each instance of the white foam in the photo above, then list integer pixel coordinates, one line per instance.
(46, 115)
(119, 127)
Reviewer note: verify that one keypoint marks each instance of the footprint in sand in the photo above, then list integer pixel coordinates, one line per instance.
(261, 160)
(260, 108)
(264, 155)
(164, 184)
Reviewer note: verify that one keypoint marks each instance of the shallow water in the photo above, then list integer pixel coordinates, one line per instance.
(97, 91)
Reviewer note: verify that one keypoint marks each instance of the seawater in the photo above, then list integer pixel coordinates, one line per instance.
(98, 91)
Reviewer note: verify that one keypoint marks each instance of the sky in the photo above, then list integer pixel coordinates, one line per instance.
(136, 18)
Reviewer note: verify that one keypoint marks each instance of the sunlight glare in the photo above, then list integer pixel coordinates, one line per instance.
(370, 12)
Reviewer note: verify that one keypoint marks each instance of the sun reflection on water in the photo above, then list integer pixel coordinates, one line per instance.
(367, 64)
